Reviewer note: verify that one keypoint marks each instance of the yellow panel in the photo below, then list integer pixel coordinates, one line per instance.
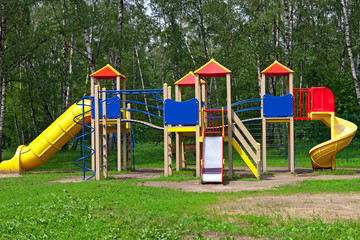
(181, 129)
(243, 155)
(278, 120)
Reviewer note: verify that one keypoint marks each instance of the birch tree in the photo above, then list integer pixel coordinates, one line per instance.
(354, 72)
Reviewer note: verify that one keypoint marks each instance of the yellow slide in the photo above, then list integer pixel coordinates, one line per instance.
(342, 132)
(48, 142)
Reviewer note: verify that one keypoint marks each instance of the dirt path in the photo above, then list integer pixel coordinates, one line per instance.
(282, 177)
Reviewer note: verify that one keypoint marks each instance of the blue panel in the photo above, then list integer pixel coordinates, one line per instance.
(181, 113)
(112, 105)
(278, 106)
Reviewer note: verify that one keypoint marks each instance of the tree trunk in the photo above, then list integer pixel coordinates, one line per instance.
(2, 112)
(142, 82)
(64, 60)
(350, 51)
(89, 51)
(288, 9)
(2, 78)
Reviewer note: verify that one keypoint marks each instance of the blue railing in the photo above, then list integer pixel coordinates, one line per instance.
(82, 137)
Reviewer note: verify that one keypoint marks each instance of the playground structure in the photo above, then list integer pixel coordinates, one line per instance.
(109, 112)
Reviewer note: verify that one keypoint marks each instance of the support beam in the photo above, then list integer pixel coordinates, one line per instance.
(166, 149)
(97, 134)
(118, 127)
(230, 123)
(123, 97)
(197, 134)
(263, 122)
(93, 162)
(104, 135)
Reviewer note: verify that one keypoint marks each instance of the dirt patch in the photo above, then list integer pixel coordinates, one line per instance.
(145, 173)
(324, 206)
(217, 236)
(9, 175)
(282, 177)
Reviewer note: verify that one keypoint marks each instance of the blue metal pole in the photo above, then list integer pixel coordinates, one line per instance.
(83, 136)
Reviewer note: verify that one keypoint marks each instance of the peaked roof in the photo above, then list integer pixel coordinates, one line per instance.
(212, 69)
(107, 72)
(277, 69)
(188, 80)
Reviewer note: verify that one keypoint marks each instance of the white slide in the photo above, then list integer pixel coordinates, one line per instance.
(212, 167)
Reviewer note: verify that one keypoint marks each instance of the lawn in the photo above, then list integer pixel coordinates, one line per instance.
(35, 207)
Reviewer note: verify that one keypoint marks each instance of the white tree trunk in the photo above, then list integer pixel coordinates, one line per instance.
(350, 52)
(142, 82)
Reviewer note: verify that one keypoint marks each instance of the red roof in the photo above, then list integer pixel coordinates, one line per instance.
(212, 69)
(277, 69)
(188, 80)
(107, 72)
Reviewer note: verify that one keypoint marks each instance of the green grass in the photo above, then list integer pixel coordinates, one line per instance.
(34, 207)
(335, 172)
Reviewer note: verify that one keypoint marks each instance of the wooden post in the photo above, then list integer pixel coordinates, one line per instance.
(177, 135)
(182, 149)
(104, 135)
(197, 133)
(92, 89)
(129, 138)
(166, 152)
(118, 126)
(291, 129)
(204, 94)
(124, 130)
(263, 122)
(170, 141)
(230, 126)
(97, 134)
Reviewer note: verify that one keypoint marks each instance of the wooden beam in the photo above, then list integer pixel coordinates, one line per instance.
(97, 134)
(104, 135)
(118, 126)
(263, 122)
(230, 123)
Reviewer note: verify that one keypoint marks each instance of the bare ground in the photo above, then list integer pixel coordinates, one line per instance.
(282, 177)
(324, 206)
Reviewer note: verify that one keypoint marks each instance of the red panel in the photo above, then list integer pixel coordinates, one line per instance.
(301, 103)
(322, 100)
(214, 121)
(107, 72)
(212, 69)
(188, 81)
(277, 69)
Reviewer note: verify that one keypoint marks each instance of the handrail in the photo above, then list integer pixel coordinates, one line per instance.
(141, 103)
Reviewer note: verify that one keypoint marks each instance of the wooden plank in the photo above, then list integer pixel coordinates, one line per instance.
(243, 129)
(181, 129)
(118, 127)
(104, 135)
(245, 144)
(263, 121)
(230, 123)
(245, 157)
(97, 134)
